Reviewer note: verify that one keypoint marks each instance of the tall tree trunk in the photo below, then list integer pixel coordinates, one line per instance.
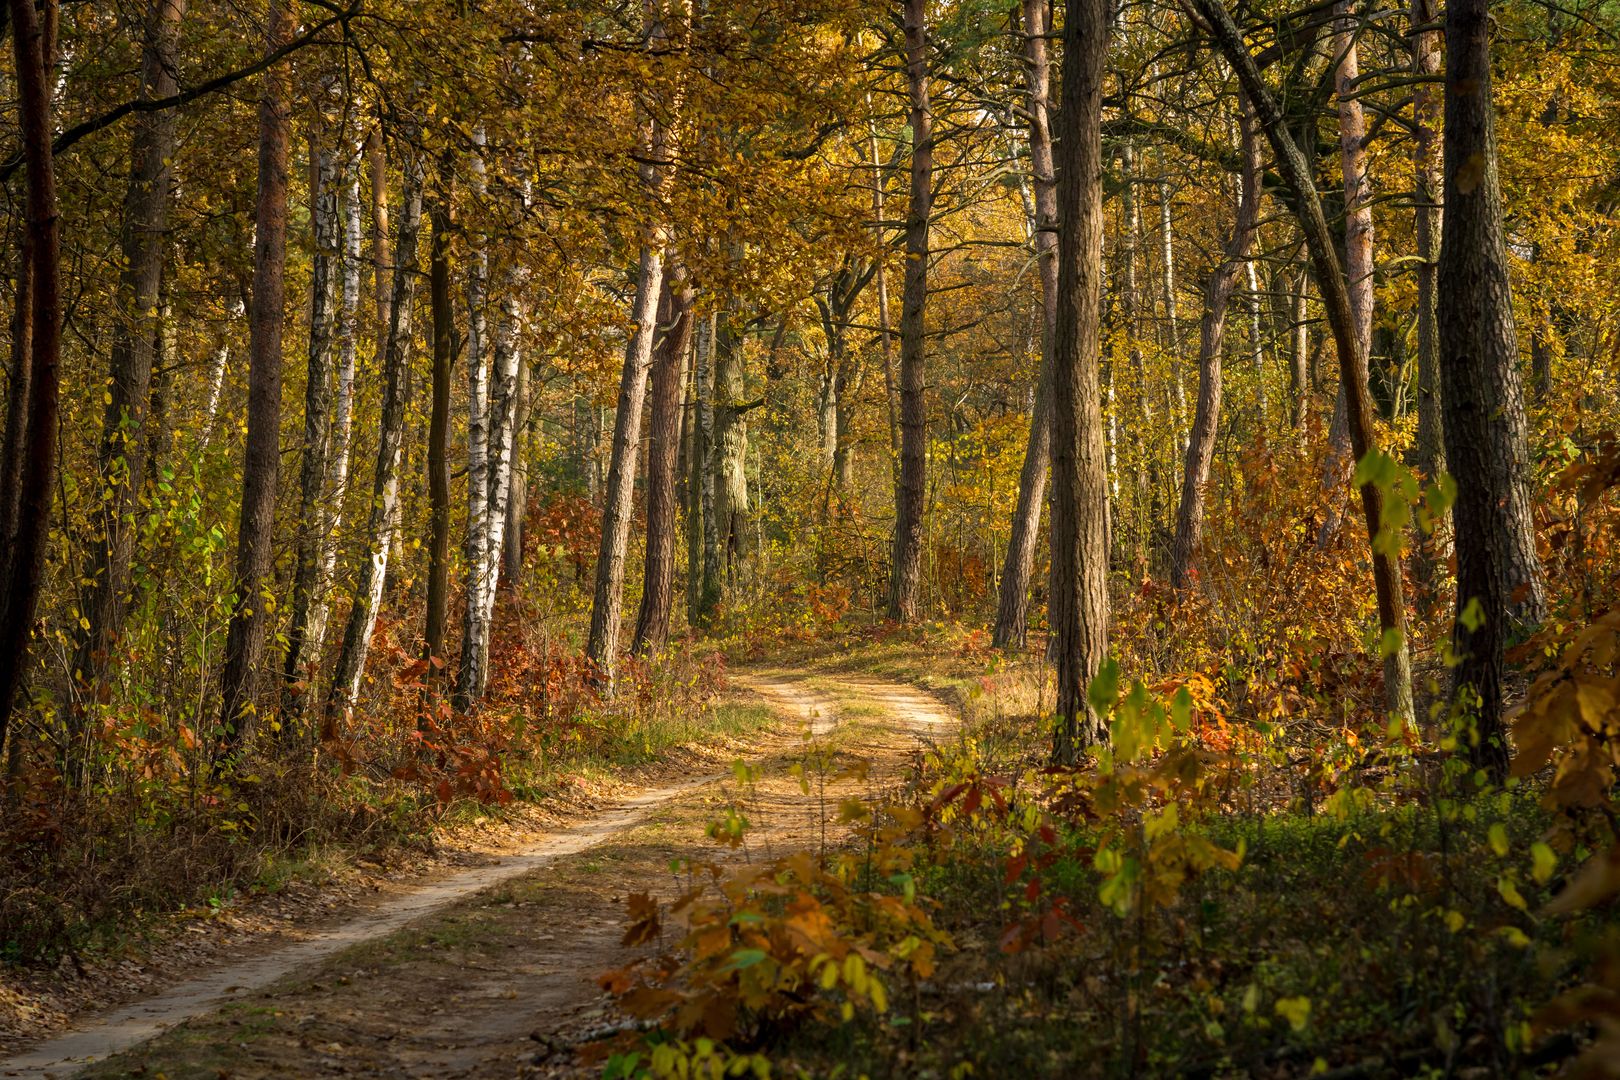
(382, 259)
(1429, 452)
(607, 608)
(1188, 541)
(312, 515)
(394, 347)
(702, 554)
(1257, 345)
(906, 581)
(502, 500)
(728, 456)
(1079, 602)
(608, 603)
(18, 378)
(1172, 319)
(891, 392)
(1131, 302)
(1358, 254)
(1498, 577)
(244, 640)
(479, 560)
(337, 479)
(1299, 369)
(143, 238)
(37, 475)
(1296, 173)
(668, 373)
(517, 482)
(438, 450)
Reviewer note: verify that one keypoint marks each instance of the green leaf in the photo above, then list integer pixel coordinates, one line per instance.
(1473, 615)
(1104, 689)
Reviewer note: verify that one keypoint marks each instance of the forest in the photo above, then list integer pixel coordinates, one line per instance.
(810, 538)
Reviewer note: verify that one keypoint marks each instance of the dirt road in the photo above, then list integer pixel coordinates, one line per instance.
(491, 972)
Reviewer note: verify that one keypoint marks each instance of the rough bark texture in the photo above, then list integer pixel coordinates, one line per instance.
(19, 373)
(1299, 368)
(1426, 121)
(702, 557)
(608, 603)
(728, 456)
(36, 477)
(663, 444)
(317, 423)
(517, 483)
(905, 584)
(1079, 601)
(438, 450)
(477, 557)
(1296, 173)
(143, 238)
(394, 347)
(1358, 254)
(337, 479)
(244, 640)
(1498, 577)
(1012, 607)
(607, 608)
(1185, 548)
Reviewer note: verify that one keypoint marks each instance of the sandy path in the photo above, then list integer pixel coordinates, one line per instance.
(495, 974)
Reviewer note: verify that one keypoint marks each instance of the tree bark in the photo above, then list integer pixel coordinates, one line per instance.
(37, 474)
(143, 238)
(1358, 254)
(19, 376)
(906, 581)
(608, 603)
(1482, 398)
(1079, 601)
(517, 483)
(1187, 545)
(606, 610)
(728, 458)
(1296, 173)
(337, 479)
(702, 555)
(438, 450)
(394, 347)
(1299, 377)
(244, 640)
(1427, 118)
(312, 517)
(668, 374)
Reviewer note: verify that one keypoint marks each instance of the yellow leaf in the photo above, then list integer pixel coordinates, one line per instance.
(1296, 1010)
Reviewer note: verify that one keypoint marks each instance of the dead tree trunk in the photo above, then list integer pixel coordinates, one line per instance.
(1079, 602)
(905, 584)
(244, 640)
(1185, 548)
(1498, 577)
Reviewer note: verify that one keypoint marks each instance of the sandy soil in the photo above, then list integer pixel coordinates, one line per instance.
(491, 971)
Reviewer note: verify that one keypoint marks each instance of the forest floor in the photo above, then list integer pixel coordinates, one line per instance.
(491, 969)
